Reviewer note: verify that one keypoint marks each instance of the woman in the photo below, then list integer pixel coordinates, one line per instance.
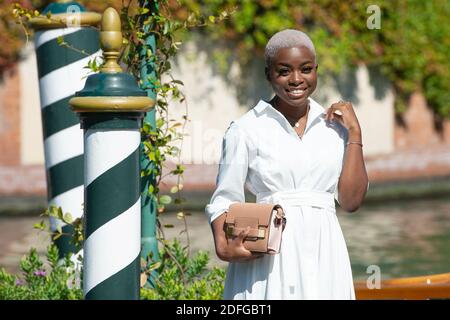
(292, 152)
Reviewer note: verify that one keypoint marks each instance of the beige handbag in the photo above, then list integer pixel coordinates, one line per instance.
(266, 222)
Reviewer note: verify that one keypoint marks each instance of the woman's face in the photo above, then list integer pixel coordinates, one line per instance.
(293, 75)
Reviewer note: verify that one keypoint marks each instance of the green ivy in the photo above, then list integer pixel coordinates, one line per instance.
(412, 47)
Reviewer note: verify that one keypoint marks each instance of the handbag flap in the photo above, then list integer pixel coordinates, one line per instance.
(260, 211)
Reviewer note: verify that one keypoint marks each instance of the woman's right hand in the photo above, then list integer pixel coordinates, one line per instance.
(231, 250)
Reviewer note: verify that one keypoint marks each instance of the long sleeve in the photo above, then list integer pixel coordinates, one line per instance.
(232, 173)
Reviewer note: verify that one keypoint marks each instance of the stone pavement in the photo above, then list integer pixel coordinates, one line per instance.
(17, 236)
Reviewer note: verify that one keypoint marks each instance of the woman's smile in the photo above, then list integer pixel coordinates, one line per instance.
(296, 93)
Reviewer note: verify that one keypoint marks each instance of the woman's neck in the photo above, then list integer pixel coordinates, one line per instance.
(290, 112)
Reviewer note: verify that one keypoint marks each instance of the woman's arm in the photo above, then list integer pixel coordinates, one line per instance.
(353, 182)
(230, 188)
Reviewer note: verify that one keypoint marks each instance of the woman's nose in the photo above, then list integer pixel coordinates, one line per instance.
(296, 78)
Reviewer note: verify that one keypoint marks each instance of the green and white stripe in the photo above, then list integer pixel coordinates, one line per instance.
(61, 73)
(113, 218)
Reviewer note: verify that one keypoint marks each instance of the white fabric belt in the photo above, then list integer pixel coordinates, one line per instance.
(295, 198)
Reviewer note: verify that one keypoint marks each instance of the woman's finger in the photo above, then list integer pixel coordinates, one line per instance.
(332, 112)
(329, 113)
(337, 110)
(243, 234)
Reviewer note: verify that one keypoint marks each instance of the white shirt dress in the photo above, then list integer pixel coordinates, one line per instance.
(264, 153)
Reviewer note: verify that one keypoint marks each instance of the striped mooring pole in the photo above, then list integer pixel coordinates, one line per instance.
(61, 71)
(111, 108)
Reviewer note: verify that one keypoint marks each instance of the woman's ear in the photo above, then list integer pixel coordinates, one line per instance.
(317, 66)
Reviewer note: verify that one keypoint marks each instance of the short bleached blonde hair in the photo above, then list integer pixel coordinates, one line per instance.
(287, 39)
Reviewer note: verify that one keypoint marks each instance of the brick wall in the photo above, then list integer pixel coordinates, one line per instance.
(417, 129)
(22, 181)
(10, 117)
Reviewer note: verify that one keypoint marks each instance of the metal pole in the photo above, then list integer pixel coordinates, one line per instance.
(111, 107)
(61, 73)
(148, 207)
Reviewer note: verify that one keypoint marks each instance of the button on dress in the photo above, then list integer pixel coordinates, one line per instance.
(262, 152)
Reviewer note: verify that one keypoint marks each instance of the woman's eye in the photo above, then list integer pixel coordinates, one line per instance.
(307, 70)
(283, 72)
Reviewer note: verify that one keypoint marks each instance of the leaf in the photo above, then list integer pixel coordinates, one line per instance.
(144, 278)
(165, 199)
(168, 226)
(60, 213)
(180, 215)
(180, 200)
(174, 189)
(40, 225)
(178, 82)
(154, 266)
(212, 19)
(166, 27)
(68, 218)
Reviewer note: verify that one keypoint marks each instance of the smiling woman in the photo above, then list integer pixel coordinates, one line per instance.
(292, 73)
(293, 152)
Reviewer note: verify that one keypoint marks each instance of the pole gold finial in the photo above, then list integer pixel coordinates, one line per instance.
(111, 40)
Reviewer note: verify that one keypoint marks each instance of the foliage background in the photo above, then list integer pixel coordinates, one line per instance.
(411, 48)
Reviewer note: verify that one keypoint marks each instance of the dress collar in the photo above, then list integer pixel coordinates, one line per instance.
(314, 114)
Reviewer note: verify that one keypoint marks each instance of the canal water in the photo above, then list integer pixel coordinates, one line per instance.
(403, 239)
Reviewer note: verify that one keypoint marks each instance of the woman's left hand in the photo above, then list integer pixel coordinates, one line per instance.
(343, 112)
